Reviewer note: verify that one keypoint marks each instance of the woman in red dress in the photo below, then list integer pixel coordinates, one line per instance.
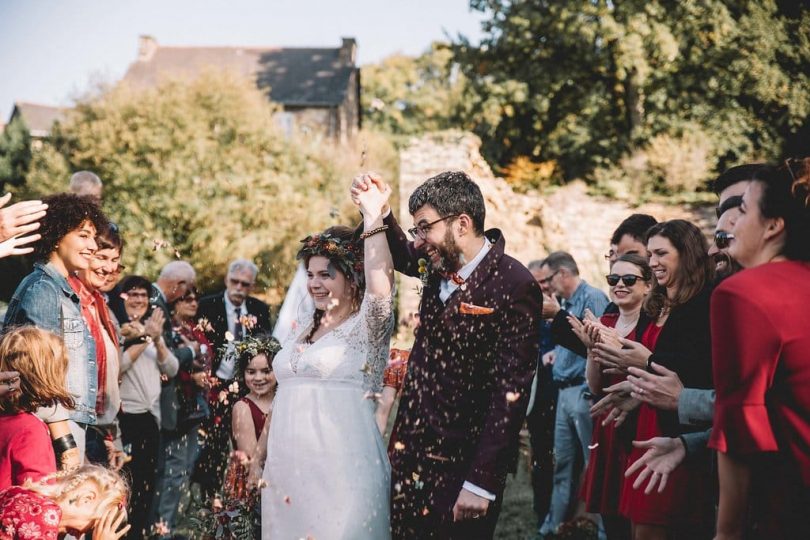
(41, 360)
(679, 339)
(630, 281)
(761, 348)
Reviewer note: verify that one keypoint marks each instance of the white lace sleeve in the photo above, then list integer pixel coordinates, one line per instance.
(377, 316)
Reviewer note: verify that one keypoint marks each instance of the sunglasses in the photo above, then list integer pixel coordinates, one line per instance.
(627, 279)
(722, 239)
(189, 299)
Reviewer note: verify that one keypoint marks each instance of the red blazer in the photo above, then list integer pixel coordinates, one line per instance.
(469, 375)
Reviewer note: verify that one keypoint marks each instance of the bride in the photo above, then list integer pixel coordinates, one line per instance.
(326, 474)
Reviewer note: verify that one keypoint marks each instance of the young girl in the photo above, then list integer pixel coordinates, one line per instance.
(41, 360)
(250, 413)
(69, 502)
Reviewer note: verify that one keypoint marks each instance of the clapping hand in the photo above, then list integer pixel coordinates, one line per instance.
(663, 455)
(627, 354)
(551, 306)
(153, 327)
(20, 219)
(661, 389)
(618, 403)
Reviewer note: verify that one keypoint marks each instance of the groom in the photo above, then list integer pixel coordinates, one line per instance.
(471, 367)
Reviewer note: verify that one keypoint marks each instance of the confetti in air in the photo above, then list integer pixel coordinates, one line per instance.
(511, 397)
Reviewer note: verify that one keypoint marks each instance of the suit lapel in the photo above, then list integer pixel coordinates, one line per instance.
(482, 273)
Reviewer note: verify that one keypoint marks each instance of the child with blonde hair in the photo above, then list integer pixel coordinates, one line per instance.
(41, 360)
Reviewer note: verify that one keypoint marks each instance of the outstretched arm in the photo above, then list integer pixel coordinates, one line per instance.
(378, 264)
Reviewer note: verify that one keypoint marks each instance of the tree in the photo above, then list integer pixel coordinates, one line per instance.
(403, 95)
(197, 169)
(15, 153)
(587, 82)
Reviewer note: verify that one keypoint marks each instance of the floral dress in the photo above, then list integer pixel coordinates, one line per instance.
(25, 515)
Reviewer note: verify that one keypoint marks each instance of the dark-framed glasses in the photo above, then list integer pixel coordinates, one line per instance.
(722, 239)
(421, 231)
(548, 279)
(628, 279)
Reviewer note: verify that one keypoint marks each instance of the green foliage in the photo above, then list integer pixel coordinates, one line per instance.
(198, 170)
(15, 153)
(403, 95)
(591, 83)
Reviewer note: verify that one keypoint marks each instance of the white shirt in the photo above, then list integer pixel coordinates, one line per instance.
(227, 367)
(448, 286)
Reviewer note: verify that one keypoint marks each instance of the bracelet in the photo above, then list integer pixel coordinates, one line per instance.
(64, 443)
(372, 232)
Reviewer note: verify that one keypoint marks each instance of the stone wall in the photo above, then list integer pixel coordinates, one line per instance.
(533, 224)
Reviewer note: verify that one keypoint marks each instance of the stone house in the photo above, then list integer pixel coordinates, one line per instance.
(38, 118)
(318, 88)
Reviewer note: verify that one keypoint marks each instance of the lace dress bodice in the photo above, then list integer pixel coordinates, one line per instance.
(356, 351)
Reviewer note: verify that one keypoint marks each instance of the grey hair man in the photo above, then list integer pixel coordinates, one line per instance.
(86, 183)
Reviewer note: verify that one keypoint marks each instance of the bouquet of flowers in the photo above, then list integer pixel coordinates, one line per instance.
(235, 515)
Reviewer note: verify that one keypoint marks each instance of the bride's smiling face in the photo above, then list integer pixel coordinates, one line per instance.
(327, 286)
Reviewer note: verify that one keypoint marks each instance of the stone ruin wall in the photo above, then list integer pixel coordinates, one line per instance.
(533, 224)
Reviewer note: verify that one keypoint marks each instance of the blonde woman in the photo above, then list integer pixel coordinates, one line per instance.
(41, 361)
(72, 502)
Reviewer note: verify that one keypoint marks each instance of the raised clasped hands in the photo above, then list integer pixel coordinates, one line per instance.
(370, 193)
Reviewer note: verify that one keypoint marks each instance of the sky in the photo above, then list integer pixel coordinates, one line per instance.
(53, 50)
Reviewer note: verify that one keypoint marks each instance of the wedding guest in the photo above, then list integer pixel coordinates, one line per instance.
(103, 442)
(145, 361)
(630, 281)
(393, 379)
(235, 314)
(761, 348)
(572, 425)
(679, 339)
(629, 237)
(46, 300)
(70, 502)
(40, 360)
(86, 183)
(18, 225)
(254, 369)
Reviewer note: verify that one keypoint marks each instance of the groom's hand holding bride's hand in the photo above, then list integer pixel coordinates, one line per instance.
(361, 184)
(469, 506)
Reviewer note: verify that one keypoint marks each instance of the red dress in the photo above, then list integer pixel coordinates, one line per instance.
(256, 414)
(25, 449)
(683, 502)
(25, 515)
(761, 352)
(601, 489)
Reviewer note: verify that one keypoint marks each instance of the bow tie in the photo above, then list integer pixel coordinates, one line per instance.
(452, 276)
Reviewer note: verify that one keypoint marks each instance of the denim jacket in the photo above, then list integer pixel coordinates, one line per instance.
(45, 300)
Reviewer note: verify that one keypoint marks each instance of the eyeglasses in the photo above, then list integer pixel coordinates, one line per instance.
(548, 279)
(421, 231)
(722, 239)
(245, 284)
(732, 202)
(627, 279)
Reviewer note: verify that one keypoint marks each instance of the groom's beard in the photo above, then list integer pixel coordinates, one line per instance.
(449, 254)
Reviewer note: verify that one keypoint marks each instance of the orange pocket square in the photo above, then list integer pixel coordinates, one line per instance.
(472, 309)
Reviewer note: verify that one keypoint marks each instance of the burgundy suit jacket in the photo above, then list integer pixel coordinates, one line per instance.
(469, 376)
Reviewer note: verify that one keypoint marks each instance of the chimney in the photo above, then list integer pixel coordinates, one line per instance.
(348, 51)
(147, 46)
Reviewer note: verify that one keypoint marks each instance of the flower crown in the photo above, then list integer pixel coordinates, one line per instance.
(256, 345)
(344, 253)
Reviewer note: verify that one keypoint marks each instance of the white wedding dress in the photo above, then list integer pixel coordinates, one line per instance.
(327, 473)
